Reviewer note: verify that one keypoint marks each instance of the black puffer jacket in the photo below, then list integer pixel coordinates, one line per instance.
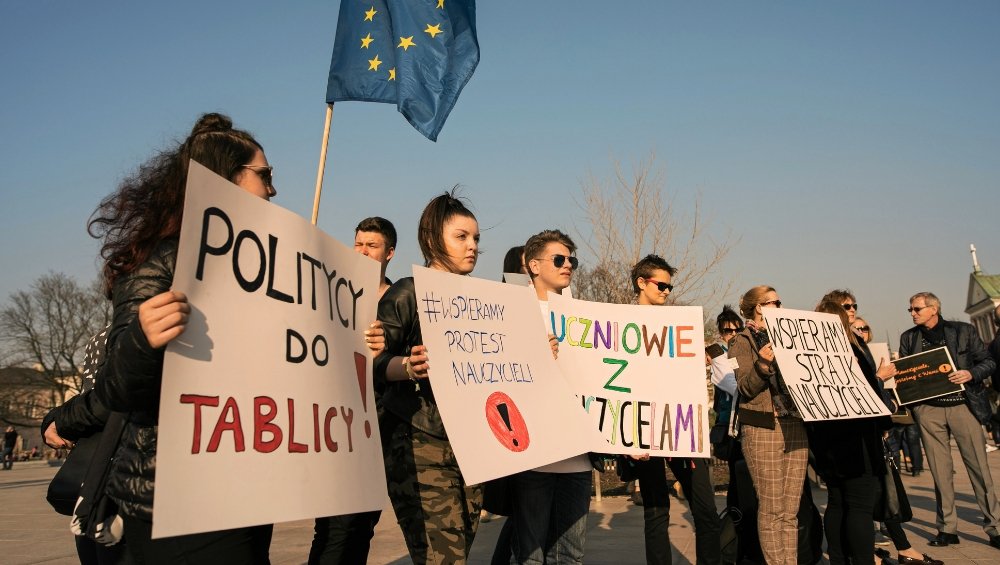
(130, 382)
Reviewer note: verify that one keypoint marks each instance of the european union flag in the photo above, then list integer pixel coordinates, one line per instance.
(416, 53)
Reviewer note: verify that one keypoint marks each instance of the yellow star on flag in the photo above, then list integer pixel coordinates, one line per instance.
(392, 73)
(374, 63)
(441, 4)
(370, 14)
(365, 41)
(433, 30)
(406, 43)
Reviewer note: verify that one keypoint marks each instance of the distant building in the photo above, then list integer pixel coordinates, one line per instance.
(26, 396)
(984, 297)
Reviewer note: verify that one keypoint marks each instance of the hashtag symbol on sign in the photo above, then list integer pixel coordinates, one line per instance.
(431, 305)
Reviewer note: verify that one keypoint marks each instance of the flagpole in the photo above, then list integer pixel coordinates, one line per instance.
(322, 162)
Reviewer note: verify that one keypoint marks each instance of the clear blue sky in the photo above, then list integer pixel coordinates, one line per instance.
(850, 144)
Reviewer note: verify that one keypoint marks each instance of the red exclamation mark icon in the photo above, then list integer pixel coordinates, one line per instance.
(506, 422)
(361, 365)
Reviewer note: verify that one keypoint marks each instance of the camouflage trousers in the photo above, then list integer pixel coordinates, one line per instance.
(437, 512)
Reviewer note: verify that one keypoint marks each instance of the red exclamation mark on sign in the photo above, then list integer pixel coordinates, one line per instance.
(361, 365)
(506, 422)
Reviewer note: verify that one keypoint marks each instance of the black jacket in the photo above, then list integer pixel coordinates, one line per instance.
(969, 353)
(845, 449)
(130, 382)
(414, 404)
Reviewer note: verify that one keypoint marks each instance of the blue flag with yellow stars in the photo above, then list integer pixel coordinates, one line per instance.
(416, 53)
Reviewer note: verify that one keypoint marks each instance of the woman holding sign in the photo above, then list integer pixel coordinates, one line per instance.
(436, 510)
(140, 224)
(849, 457)
(774, 439)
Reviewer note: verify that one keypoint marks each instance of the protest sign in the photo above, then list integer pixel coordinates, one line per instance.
(880, 353)
(818, 365)
(924, 375)
(504, 402)
(266, 411)
(639, 373)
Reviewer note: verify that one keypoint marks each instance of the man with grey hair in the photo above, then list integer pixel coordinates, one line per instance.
(959, 415)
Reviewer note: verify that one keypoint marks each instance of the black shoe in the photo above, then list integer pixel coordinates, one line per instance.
(927, 560)
(943, 539)
(995, 541)
(916, 472)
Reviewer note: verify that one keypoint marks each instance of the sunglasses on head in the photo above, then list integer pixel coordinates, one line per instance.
(661, 286)
(559, 260)
(851, 306)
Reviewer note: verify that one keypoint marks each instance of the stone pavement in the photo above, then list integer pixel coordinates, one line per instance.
(32, 533)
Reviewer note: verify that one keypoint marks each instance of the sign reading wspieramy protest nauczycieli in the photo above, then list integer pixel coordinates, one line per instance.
(639, 373)
(818, 365)
(504, 402)
(924, 375)
(266, 409)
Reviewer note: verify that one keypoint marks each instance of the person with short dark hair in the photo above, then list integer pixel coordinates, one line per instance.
(551, 503)
(437, 511)
(375, 237)
(652, 282)
(959, 415)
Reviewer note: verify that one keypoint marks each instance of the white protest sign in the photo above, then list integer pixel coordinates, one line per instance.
(818, 365)
(880, 351)
(266, 410)
(504, 402)
(639, 372)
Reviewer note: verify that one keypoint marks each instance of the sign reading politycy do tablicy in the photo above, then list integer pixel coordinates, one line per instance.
(818, 365)
(266, 410)
(505, 405)
(639, 373)
(924, 375)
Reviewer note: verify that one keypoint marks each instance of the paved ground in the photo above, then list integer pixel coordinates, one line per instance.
(30, 532)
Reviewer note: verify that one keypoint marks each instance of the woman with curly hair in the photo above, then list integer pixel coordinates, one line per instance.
(139, 225)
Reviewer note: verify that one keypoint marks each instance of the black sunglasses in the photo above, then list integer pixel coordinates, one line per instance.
(916, 309)
(726, 331)
(851, 306)
(863, 328)
(266, 174)
(661, 286)
(775, 303)
(560, 260)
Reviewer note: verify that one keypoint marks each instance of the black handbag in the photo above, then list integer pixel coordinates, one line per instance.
(64, 489)
(96, 508)
(893, 503)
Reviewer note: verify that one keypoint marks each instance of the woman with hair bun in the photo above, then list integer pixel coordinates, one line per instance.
(774, 439)
(436, 510)
(140, 224)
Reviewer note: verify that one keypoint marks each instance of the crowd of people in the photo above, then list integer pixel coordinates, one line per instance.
(759, 431)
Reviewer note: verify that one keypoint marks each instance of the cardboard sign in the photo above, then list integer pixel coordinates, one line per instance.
(266, 411)
(924, 376)
(504, 402)
(818, 365)
(639, 373)
(880, 351)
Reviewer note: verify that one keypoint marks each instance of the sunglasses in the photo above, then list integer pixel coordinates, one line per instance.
(916, 310)
(266, 174)
(863, 328)
(851, 306)
(661, 286)
(559, 260)
(775, 303)
(727, 331)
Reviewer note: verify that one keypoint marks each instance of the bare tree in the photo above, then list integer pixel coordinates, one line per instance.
(629, 216)
(47, 327)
